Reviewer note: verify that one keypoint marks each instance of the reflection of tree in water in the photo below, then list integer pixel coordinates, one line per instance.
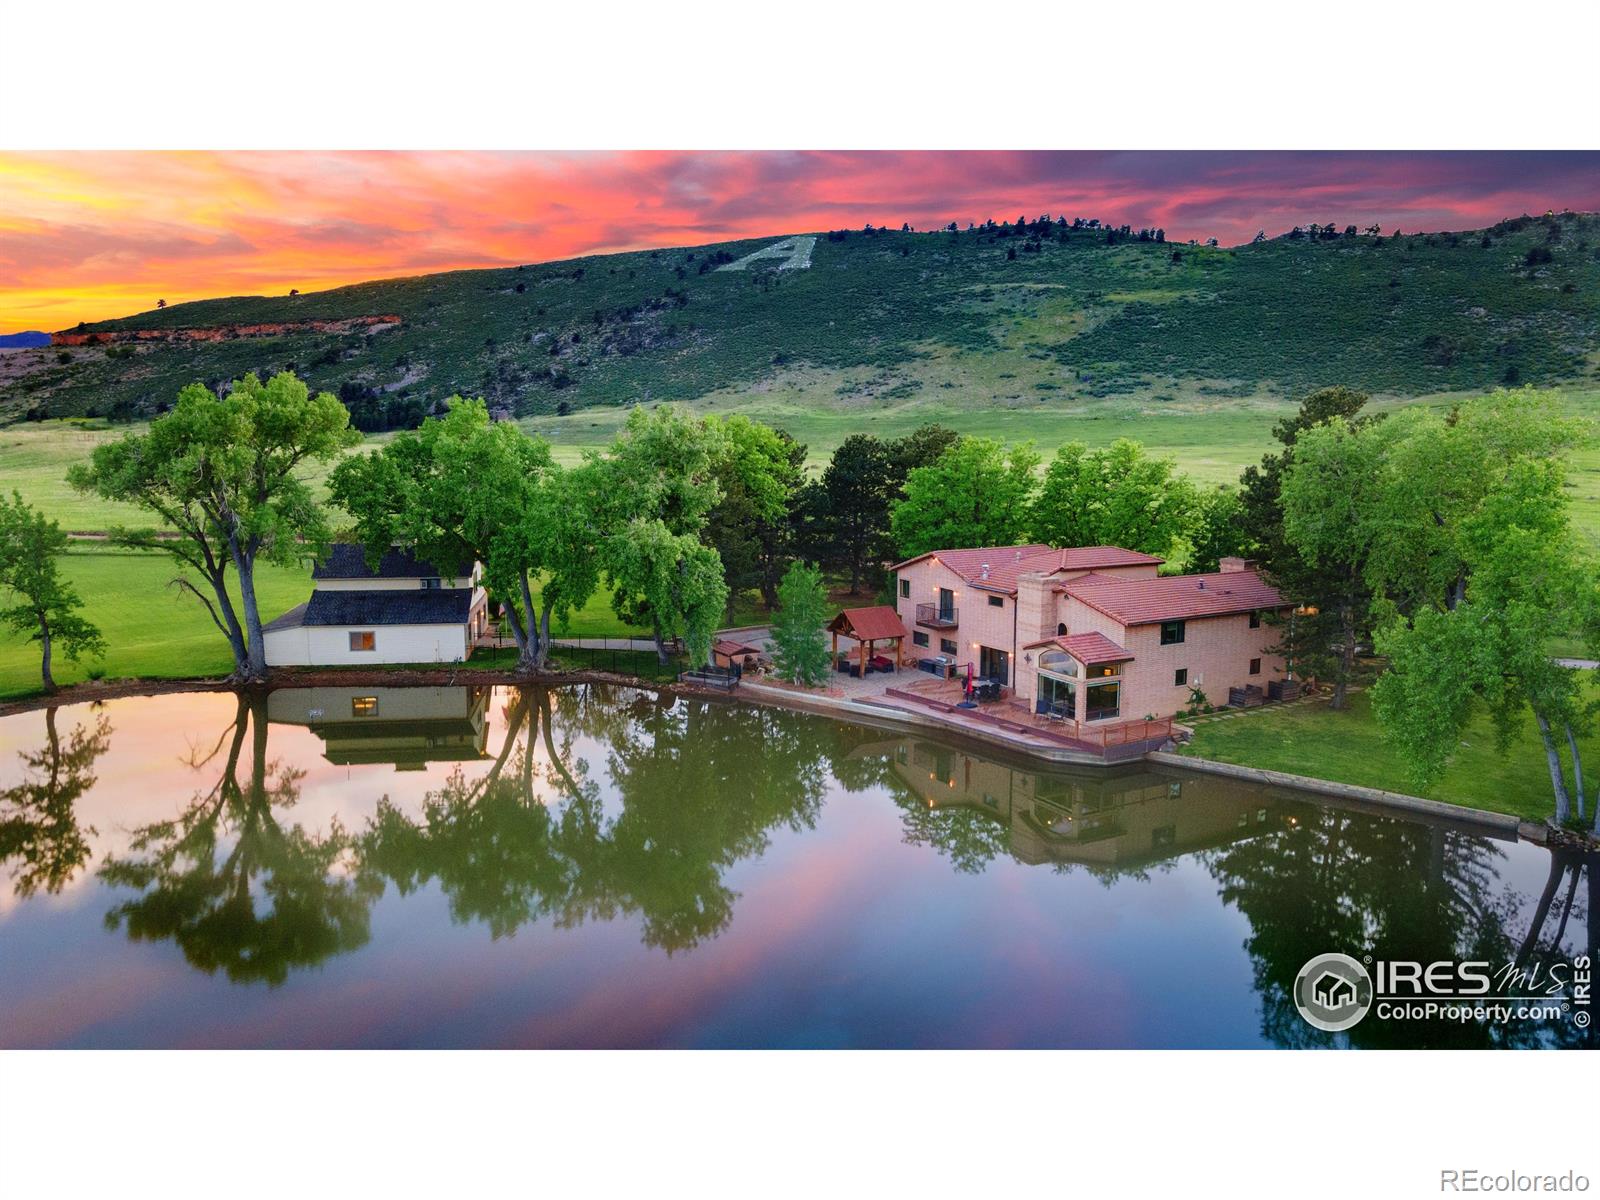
(234, 889)
(38, 817)
(490, 842)
(970, 838)
(1328, 880)
(699, 786)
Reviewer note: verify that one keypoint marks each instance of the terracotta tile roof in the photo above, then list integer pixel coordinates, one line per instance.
(1087, 648)
(1091, 577)
(1177, 597)
(732, 648)
(1005, 563)
(874, 624)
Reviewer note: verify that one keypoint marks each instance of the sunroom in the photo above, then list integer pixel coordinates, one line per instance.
(1079, 678)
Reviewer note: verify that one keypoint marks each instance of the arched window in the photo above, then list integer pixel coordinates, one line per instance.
(1058, 662)
(1061, 629)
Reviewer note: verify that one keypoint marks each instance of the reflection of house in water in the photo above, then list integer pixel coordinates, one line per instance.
(407, 726)
(1121, 819)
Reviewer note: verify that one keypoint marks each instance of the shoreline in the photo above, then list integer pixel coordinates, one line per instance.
(1505, 826)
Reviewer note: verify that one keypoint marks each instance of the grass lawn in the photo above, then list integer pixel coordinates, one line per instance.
(151, 630)
(1312, 739)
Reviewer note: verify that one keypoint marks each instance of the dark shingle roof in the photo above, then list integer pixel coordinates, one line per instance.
(348, 560)
(436, 606)
(292, 619)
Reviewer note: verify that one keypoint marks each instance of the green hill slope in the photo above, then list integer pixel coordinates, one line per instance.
(1042, 318)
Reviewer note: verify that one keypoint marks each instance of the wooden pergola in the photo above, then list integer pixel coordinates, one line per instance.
(869, 626)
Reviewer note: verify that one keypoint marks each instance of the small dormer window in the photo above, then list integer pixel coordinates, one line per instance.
(431, 583)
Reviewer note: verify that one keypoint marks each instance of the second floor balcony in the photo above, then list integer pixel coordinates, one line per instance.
(937, 616)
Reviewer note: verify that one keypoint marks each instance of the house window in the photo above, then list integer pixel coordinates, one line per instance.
(1171, 633)
(1056, 696)
(1255, 666)
(1061, 629)
(919, 638)
(946, 646)
(1101, 701)
(432, 583)
(1101, 670)
(363, 706)
(996, 602)
(1058, 661)
(364, 639)
(1180, 677)
(947, 605)
(905, 589)
(1255, 619)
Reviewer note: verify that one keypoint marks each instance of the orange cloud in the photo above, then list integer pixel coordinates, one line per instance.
(90, 235)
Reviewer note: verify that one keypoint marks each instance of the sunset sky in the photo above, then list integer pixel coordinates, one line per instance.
(87, 235)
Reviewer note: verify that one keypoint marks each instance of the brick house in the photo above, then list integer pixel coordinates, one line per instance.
(1092, 633)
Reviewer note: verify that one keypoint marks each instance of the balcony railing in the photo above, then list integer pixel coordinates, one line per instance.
(934, 616)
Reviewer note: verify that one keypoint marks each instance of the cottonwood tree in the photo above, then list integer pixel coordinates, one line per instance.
(657, 486)
(219, 472)
(800, 651)
(978, 493)
(1218, 531)
(1116, 496)
(44, 606)
(462, 489)
(1435, 473)
(1475, 565)
(758, 475)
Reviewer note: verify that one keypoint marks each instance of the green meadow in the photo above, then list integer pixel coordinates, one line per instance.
(1348, 747)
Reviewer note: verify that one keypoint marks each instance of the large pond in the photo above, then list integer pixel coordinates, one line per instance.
(602, 867)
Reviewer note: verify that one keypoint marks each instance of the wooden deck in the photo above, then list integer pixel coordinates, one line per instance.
(1110, 740)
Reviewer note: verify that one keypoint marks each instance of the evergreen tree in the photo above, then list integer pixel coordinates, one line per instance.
(799, 648)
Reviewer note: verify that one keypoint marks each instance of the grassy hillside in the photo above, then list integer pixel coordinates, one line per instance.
(1048, 321)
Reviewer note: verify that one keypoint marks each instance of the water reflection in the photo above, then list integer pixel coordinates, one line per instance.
(271, 843)
(234, 887)
(1112, 823)
(408, 727)
(695, 788)
(39, 830)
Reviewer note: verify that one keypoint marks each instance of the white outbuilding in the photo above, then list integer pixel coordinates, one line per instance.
(402, 611)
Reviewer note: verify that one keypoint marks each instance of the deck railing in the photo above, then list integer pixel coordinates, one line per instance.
(936, 617)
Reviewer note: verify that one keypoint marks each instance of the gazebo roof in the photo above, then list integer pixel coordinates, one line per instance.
(879, 623)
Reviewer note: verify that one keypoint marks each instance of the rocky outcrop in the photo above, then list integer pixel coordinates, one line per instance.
(223, 333)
